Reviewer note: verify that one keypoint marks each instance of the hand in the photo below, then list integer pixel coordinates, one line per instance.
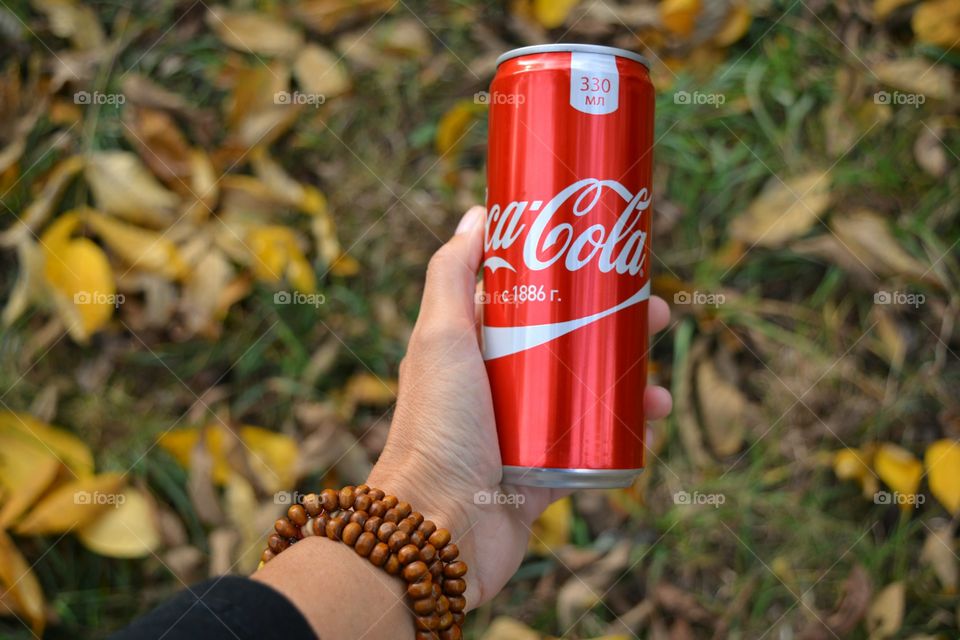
(442, 447)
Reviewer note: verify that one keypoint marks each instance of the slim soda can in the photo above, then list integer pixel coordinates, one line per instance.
(566, 268)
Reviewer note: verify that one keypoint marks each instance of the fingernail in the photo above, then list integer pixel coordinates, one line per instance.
(469, 220)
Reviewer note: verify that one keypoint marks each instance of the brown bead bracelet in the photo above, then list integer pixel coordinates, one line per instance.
(390, 534)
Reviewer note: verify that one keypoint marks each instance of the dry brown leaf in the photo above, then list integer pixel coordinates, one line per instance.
(939, 553)
(784, 210)
(916, 76)
(405, 37)
(929, 152)
(123, 186)
(29, 286)
(127, 529)
(240, 502)
(72, 505)
(160, 143)
(937, 22)
(20, 586)
(585, 592)
(254, 32)
(865, 234)
(202, 301)
(885, 616)
(723, 409)
(325, 16)
(73, 20)
(319, 71)
(141, 249)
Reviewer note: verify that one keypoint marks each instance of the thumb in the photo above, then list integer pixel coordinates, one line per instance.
(448, 296)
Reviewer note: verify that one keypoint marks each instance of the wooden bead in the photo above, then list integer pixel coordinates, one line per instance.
(453, 632)
(372, 524)
(398, 540)
(320, 524)
(457, 603)
(415, 571)
(427, 527)
(428, 553)
(360, 517)
(350, 534)
(408, 554)
(390, 501)
(420, 589)
(424, 606)
(427, 623)
(347, 496)
(459, 617)
(443, 605)
(311, 502)
(424, 635)
(363, 502)
(392, 565)
(407, 525)
(267, 555)
(365, 543)
(375, 494)
(330, 499)
(392, 515)
(446, 621)
(285, 528)
(440, 538)
(378, 508)
(450, 552)
(404, 509)
(456, 569)
(335, 528)
(436, 570)
(297, 515)
(379, 554)
(362, 488)
(454, 587)
(385, 531)
(417, 518)
(437, 589)
(417, 538)
(276, 544)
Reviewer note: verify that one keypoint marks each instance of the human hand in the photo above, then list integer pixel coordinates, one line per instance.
(442, 447)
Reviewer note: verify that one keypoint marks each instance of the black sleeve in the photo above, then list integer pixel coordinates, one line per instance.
(227, 608)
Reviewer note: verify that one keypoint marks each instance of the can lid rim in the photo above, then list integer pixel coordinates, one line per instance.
(574, 47)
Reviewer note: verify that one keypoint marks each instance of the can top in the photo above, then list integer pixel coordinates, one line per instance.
(581, 48)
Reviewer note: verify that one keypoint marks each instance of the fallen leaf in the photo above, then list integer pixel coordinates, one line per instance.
(454, 125)
(72, 505)
(735, 27)
(140, 248)
(20, 585)
(866, 235)
(405, 37)
(937, 22)
(127, 529)
(507, 628)
(123, 186)
(30, 283)
(883, 8)
(885, 616)
(853, 606)
(40, 209)
(723, 407)
(579, 595)
(27, 468)
(679, 16)
(942, 460)
(254, 32)
(160, 143)
(319, 71)
(70, 19)
(784, 210)
(276, 253)
(552, 13)
(929, 152)
(68, 448)
(918, 76)
(552, 529)
(900, 470)
(939, 554)
(854, 464)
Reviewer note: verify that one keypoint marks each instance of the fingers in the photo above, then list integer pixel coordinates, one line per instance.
(448, 297)
(657, 402)
(659, 314)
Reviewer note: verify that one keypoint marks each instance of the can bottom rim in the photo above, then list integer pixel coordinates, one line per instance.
(569, 478)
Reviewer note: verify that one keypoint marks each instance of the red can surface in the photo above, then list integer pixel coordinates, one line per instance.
(566, 270)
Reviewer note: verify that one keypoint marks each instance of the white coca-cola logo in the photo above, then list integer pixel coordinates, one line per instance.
(550, 240)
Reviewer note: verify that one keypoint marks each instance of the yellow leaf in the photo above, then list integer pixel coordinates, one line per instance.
(883, 8)
(900, 470)
(26, 470)
(366, 388)
(277, 253)
(39, 211)
(127, 529)
(937, 22)
(784, 210)
(736, 26)
(72, 505)
(20, 584)
(180, 442)
(506, 628)
(123, 186)
(867, 236)
(679, 16)
(552, 529)
(140, 248)
(942, 460)
(885, 615)
(454, 125)
(854, 464)
(552, 13)
(319, 72)
(254, 32)
(68, 448)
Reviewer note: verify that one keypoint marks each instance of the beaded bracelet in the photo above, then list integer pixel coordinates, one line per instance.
(393, 536)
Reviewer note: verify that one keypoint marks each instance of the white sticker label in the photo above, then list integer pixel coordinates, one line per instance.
(594, 83)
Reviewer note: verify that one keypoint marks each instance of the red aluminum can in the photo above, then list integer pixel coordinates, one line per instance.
(566, 270)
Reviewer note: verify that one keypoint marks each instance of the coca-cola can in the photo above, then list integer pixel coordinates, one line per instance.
(566, 268)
